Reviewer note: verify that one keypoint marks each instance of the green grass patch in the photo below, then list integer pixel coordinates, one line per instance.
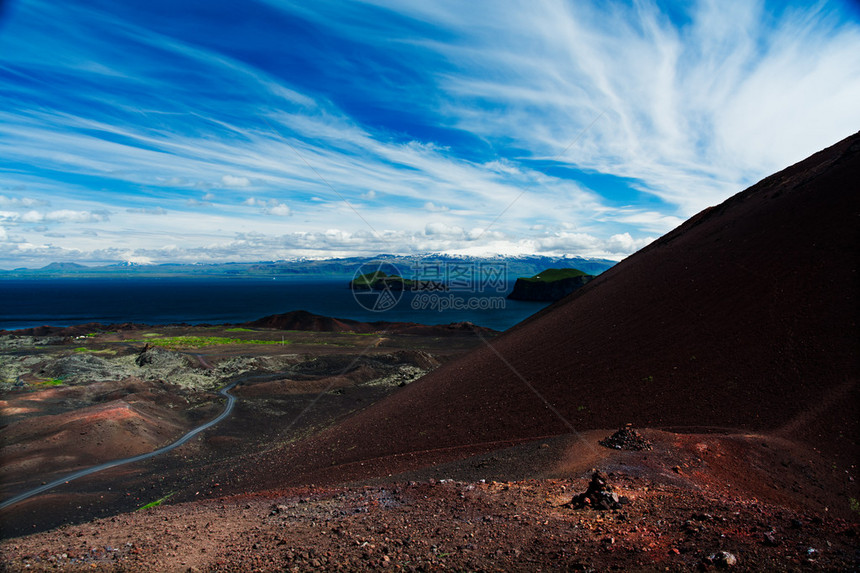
(157, 502)
(51, 382)
(151, 334)
(200, 341)
(84, 350)
(552, 275)
(240, 329)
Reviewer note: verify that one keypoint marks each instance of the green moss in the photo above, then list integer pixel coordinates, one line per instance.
(239, 329)
(367, 280)
(82, 349)
(157, 502)
(50, 382)
(552, 275)
(198, 341)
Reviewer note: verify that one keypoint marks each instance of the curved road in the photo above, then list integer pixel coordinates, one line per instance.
(228, 407)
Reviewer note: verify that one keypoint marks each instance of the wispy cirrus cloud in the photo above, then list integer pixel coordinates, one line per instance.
(20, 202)
(60, 216)
(691, 106)
(590, 129)
(148, 211)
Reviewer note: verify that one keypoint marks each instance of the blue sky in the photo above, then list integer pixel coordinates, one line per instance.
(187, 131)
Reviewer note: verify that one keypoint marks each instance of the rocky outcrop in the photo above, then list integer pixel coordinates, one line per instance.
(526, 289)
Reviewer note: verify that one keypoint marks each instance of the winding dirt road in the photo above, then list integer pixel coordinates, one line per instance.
(228, 407)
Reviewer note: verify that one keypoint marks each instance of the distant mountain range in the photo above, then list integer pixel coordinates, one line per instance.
(346, 267)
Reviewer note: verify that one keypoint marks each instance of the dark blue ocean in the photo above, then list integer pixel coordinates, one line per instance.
(26, 303)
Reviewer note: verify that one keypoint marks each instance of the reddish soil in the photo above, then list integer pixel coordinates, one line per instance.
(53, 432)
(681, 512)
(99, 433)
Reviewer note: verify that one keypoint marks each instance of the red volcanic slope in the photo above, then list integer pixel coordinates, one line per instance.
(304, 320)
(744, 317)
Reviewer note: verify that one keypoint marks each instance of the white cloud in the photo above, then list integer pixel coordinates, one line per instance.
(65, 216)
(269, 207)
(208, 196)
(235, 181)
(148, 211)
(279, 209)
(130, 257)
(643, 219)
(32, 216)
(176, 182)
(435, 237)
(442, 229)
(433, 208)
(624, 244)
(70, 216)
(20, 202)
(478, 233)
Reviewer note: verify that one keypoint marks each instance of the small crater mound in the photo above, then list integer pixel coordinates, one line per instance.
(626, 439)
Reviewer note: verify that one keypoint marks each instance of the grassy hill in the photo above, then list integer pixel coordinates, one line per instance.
(378, 280)
(552, 275)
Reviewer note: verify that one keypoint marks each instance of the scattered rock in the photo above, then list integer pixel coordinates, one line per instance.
(626, 439)
(83, 368)
(599, 495)
(722, 559)
(157, 356)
